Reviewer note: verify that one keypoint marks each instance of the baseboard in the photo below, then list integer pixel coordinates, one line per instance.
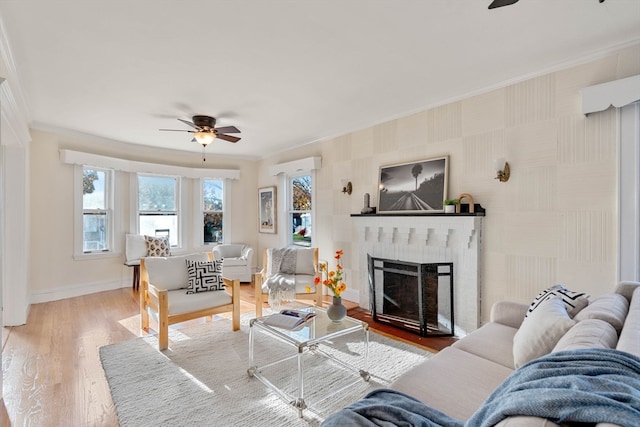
(77, 290)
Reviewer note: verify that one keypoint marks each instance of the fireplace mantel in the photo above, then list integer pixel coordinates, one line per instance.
(428, 239)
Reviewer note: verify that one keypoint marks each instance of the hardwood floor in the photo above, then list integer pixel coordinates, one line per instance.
(52, 375)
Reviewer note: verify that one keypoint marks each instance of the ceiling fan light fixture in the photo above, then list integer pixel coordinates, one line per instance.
(204, 138)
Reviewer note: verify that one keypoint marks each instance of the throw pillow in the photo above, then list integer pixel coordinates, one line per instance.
(157, 246)
(541, 331)
(573, 301)
(204, 276)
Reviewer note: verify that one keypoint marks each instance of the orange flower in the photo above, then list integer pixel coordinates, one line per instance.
(316, 280)
(308, 288)
(334, 278)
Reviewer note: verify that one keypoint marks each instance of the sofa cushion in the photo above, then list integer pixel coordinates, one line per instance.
(171, 272)
(541, 331)
(234, 262)
(589, 333)
(501, 338)
(157, 246)
(450, 373)
(523, 421)
(573, 301)
(611, 308)
(204, 276)
(181, 302)
(305, 261)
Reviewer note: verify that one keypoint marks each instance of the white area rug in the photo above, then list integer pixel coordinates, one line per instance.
(201, 380)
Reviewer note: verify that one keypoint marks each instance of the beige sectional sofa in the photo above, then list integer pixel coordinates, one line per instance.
(459, 378)
(560, 344)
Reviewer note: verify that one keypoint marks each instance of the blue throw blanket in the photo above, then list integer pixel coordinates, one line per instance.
(579, 386)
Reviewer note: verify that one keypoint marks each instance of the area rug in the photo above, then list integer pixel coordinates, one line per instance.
(201, 380)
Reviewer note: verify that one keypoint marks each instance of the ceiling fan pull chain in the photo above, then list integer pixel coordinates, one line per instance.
(204, 159)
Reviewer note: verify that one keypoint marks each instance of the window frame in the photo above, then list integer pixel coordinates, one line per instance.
(178, 205)
(110, 209)
(291, 211)
(199, 235)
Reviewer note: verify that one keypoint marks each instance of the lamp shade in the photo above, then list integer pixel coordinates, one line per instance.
(204, 138)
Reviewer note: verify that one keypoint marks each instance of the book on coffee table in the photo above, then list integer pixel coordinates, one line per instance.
(288, 318)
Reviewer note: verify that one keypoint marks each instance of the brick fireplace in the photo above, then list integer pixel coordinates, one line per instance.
(422, 239)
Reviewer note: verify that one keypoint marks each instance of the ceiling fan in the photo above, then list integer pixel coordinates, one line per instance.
(204, 130)
(500, 3)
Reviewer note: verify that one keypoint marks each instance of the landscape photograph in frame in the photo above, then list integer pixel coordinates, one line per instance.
(418, 187)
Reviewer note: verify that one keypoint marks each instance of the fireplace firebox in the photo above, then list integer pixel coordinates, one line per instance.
(413, 296)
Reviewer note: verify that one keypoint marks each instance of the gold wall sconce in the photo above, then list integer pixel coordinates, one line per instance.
(503, 171)
(347, 188)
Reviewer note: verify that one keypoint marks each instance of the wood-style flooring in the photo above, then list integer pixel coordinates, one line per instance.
(51, 369)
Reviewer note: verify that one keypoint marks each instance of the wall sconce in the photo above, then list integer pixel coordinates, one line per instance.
(347, 188)
(502, 169)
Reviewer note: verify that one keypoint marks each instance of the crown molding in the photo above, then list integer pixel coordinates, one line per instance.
(13, 104)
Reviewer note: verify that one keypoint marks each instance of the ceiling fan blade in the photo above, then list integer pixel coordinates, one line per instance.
(187, 122)
(227, 129)
(176, 130)
(500, 3)
(228, 137)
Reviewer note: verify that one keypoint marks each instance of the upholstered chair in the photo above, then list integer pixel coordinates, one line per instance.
(186, 287)
(237, 260)
(302, 275)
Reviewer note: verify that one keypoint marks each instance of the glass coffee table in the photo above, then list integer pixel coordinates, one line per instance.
(307, 338)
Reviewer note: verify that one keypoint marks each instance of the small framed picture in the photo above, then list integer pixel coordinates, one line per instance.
(267, 210)
(418, 187)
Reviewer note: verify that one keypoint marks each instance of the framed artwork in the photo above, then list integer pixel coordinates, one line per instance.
(418, 187)
(267, 210)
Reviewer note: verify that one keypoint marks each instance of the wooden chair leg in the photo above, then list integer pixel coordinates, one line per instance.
(257, 287)
(144, 313)
(236, 305)
(163, 321)
(319, 295)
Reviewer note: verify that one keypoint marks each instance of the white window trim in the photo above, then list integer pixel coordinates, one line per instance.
(78, 249)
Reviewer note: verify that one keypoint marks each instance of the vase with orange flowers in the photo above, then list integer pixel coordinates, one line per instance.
(334, 281)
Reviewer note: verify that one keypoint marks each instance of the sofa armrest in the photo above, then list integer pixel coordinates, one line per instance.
(626, 289)
(509, 313)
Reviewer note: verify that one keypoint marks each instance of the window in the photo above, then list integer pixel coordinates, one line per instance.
(213, 196)
(300, 212)
(97, 222)
(158, 206)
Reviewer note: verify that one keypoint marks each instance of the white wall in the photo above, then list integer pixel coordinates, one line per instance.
(555, 221)
(54, 272)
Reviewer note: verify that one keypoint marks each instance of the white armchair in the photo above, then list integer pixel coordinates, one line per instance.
(237, 260)
(302, 276)
(176, 292)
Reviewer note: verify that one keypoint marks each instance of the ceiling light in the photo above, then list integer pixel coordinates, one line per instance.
(204, 138)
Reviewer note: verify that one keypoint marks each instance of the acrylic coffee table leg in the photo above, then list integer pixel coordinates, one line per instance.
(299, 403)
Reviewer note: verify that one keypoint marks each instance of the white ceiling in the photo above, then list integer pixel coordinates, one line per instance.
(286, 73)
